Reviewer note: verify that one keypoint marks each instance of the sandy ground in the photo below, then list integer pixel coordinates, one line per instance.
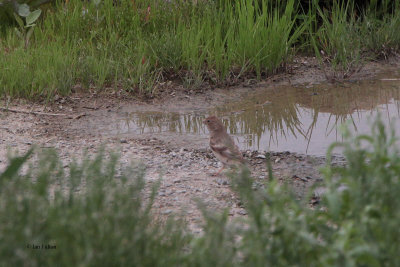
(185, 169)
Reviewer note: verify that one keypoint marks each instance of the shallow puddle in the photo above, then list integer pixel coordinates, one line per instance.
(284, 118)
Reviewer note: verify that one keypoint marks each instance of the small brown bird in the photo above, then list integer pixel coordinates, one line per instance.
(222, 145)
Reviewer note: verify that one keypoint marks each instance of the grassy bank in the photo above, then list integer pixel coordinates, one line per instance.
(138, 45)
(94, 215)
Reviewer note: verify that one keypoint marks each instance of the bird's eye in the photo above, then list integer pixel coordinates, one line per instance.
(208, 120)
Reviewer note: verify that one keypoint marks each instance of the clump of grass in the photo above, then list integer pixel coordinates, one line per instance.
(36, 72)
(345, 37)
(91, 216)
(380, 35)
(338, 41)
(354, 225)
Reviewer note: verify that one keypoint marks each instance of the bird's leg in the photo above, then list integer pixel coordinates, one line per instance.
(220, 170)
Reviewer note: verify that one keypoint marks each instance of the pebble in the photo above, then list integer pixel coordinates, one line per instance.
(304, 179)
(222, 181)
(242, 212)
(123, 141)
(166, 212)
(260, 156)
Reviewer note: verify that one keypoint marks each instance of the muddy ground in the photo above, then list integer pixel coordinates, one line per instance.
(186, 167)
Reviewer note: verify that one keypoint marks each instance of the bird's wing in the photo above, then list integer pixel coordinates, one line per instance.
(227, 149)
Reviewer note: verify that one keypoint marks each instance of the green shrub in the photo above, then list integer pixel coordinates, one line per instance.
(355, 224)
(92, 216)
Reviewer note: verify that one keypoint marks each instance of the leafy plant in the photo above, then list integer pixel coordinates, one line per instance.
(92, 216)
(26, 29)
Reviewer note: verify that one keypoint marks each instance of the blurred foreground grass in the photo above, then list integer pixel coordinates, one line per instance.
(99, 215)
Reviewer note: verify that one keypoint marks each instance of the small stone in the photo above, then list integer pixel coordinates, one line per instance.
(315, 200)
(123, 141)
(260, 156)
(165, 212)
(299, 178)
(303, 179)
(177, 181)
(222, 182)
(242, 212)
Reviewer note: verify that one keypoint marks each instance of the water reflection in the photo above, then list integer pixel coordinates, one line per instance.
(305, 119)
(299, 119)
(158, 122)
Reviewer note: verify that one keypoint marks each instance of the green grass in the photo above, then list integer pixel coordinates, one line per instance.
(338, 39)
(135, 45)
(347, 38)
(97, 214)
(92, 216)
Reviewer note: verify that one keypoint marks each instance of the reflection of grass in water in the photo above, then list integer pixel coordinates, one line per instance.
(278, 112)
(165, 122)
(347, 103)
(258, 119)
